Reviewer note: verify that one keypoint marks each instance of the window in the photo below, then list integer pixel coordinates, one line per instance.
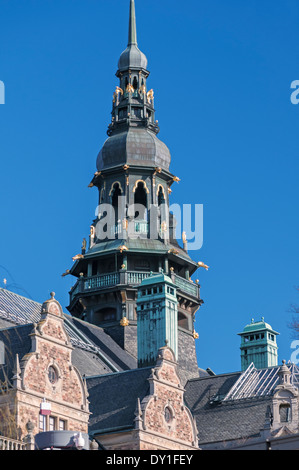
(183, 321)
(140, 200)
(168, 415)
(42, 423)
(285, 413)
(115, 194)
(52, 375)
(52, 423)
(161, 197)
(62, 425)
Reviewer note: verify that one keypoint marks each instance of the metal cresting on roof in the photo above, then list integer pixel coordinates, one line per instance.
(259, 382)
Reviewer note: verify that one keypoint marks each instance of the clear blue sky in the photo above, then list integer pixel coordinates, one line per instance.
(221, 71)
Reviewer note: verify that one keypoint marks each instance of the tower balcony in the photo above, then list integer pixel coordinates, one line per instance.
(91, 284)
(141, 227)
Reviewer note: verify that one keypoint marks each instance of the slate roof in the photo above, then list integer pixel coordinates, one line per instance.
(113, 399)
(16, 341)
(224, 421)
(135, 146)
(119, 358)
(94, 352)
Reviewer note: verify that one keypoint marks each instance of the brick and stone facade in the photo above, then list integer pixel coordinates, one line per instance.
(162, 420)
(45, 373)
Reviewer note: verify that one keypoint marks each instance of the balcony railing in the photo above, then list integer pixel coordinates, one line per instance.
(11, 444)
(101, 281)
(139, 227)
(184, 285)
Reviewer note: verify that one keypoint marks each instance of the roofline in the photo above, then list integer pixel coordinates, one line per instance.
(115, 373)
(195, 379)
(18, 325)
(249, 332)
(96, 349)
(22, 296)
(127, 427)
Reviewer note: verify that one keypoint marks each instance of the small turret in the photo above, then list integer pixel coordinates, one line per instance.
(157, 318)
(258, 345)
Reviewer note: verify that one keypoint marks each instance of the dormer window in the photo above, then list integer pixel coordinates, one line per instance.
(285, 413)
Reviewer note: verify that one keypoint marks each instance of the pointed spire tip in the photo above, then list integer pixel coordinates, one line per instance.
(132, 25)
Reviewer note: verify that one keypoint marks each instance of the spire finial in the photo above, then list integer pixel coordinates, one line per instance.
(132, 24)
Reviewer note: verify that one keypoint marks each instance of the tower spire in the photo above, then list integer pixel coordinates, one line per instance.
(132, 25)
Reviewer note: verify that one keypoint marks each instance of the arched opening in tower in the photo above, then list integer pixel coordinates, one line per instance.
(116, 192)
(140, 201)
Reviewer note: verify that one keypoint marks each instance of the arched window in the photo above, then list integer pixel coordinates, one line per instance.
(135, 83)
(140, 199)
(161, 195)
(115, 193)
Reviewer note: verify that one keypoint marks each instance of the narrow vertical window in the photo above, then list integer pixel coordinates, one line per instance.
(62, 425)
(285, 413)
(51, 423)
(42, 423)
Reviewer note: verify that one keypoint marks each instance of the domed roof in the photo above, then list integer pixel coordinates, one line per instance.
(257, 326)
(132, 57)
(136, 146)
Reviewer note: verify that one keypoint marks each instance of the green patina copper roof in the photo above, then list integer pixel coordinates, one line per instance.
(132, 25)
(138, 245)
(155, 279)
(257, 326)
